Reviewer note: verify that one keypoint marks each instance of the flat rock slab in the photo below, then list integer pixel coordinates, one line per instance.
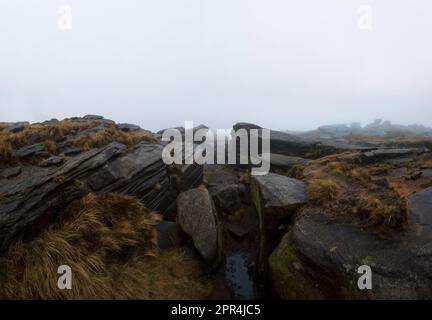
(282, 161)
(279, 191)
(30, 150)
(197, 216)
(420, 211)
(330, 252)
(276, 198)
(9, 173)
(127, 127)
(383, 154)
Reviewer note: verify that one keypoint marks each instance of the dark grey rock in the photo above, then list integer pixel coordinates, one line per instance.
(170, 235)
(52, 121)
(383, 154)
(323, 256)
(246, 126)
(52, 161)
(198, 218)
(283, 143)
(38, 194)
(276, 197)
(420, 211)
(30, 150)
(71, 150)
(11, 172)
(227, 196)
(93, 117)
(126, 127)
(280, 191)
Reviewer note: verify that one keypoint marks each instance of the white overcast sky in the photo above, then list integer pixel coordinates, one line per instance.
(279, 63)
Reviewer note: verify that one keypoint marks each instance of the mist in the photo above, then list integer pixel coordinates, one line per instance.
(282, 64)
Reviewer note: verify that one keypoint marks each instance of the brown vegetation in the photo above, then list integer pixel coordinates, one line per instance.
(110, 243)
(338, 187)
(321, 191)
(53, 133)
(108, 135)
(383, 214)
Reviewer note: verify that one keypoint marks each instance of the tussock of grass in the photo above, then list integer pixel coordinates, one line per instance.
(383, 214)
(6, 150)
(361, 175)
(338, 167)
(323, 190)
(110, 243)
(51, 146)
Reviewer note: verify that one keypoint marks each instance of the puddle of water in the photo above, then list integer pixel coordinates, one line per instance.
(237, 277)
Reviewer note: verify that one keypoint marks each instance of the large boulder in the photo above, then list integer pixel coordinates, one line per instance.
(37, 194)
(287, 144)
(276, 197)
(320, 257)
(197, 216)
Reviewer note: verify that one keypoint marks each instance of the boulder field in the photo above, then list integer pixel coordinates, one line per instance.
(302, 231)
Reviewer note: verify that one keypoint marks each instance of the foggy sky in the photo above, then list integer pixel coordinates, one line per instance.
(278, 63)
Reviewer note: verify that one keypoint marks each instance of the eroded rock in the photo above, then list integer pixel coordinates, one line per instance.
(276, 197)
(319, 258)
(198, 218)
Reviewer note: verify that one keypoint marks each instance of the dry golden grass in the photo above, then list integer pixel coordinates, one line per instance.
(53, 133)
(108, 135)
(383, 214)
(50, 146)
(323, 190)
(6, 150)
(110, 243)
(338, 167)
(361, 175)
(3, 126)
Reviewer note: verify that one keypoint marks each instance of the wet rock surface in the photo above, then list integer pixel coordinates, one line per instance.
(197, 216)
(276, 197)
(261, 236)
(35, 192)
(320, 258)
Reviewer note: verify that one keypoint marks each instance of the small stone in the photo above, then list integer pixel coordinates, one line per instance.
(52, 161)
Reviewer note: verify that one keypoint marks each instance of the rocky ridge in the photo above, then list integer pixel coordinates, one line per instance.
(328, 206)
